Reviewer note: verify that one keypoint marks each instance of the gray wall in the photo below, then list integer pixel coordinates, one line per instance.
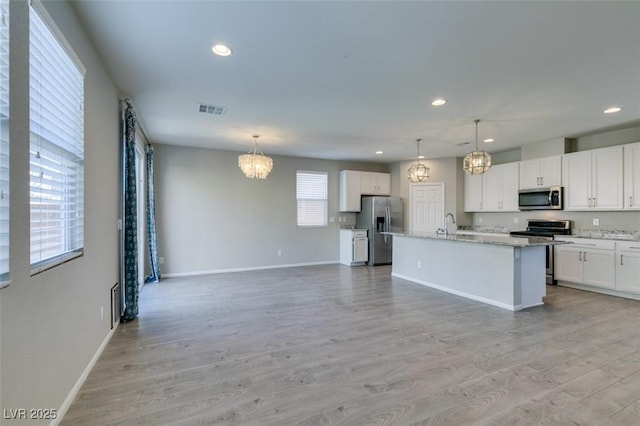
(446, 170)
(211, 218)
(50, 324)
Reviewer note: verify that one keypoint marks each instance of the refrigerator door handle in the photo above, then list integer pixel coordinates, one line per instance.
(387, 214)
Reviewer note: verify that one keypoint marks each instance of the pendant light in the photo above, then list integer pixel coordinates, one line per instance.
(255, 165)
(477, 162)
(418, 172)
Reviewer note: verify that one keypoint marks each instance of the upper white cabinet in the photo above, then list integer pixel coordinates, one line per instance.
(374, 183)
(349, 191)
(472, 193)
(354, 184)
(632, 176)
(500, 188)
(593, 179)
(494, 191)
(543, 172)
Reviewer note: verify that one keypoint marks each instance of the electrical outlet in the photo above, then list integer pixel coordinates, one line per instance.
(480, 220)
(161, 260)
(419, 264)
(515, 220)
(596, 221)
(101, 313)
(332, 219)
(279, 253)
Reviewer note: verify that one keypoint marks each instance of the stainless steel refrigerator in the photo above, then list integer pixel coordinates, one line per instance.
(380, 214)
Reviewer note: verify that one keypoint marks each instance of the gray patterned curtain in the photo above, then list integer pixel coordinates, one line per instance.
(152, 241)
(130, 311)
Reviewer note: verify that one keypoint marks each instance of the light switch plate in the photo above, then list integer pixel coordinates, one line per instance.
(596, 221)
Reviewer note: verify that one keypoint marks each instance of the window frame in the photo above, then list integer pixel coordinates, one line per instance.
(67, 151)
(325, 200)
(5, 207)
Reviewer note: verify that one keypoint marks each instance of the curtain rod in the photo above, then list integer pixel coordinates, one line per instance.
(128, 103)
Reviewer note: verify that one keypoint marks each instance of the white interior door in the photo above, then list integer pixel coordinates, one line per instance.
(427, 207)
(140, 170)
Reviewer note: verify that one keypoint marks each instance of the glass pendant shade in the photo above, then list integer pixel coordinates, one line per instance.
(418, 172)
(255, 165)
(476, 162)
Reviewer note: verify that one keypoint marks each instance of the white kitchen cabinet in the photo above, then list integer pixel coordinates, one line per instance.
(593, 179)
(472, 193)
(628, 266)
(374, 183)
(500, 188)
(586, 261)
(632, 176)
(354, 184)
(354, 247)
(349, 191)
(543, 172)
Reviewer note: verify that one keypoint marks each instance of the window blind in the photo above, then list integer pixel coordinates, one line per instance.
(4, 140)
(56, 153)
(311, 196)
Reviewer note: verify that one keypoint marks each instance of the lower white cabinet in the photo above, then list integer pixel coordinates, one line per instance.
(628, 266)
(586, 261)
(354, 246)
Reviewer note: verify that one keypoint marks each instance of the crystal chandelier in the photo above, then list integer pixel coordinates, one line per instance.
(477, 162)
(255, 165)
(418, 172)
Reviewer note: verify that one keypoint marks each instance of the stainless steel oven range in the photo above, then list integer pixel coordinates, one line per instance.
(546, 229)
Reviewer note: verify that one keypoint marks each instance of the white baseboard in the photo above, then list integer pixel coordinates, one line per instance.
(250, 268)
(76, 388)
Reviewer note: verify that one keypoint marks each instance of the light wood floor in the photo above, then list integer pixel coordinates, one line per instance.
(332, 345)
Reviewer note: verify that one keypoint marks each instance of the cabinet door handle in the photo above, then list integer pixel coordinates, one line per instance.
(584, 256)
(579, 256)
(541, 180)
(630, 201)
(621, 257)
(595, 201)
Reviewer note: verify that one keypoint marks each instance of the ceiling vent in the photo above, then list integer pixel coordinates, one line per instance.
(212, 109)
(463, 144)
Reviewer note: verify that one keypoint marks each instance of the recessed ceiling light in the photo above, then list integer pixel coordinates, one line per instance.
(488, 140)
(221, 50)
(378, 152)
(421, 156)
(439, 102)
(612, 110)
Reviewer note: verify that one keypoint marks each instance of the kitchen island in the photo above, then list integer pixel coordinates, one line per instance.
(506, 272)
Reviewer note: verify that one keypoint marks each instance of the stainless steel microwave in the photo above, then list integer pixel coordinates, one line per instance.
(540, 198)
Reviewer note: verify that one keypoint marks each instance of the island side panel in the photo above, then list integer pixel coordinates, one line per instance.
(530, 275)
(483, 272)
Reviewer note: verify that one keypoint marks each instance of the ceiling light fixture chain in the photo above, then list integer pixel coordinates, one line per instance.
(255, 165)
(418, 172)
(477, 162)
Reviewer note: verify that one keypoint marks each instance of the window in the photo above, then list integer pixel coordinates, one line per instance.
(56, 153)
(311, 195)
(4, 141)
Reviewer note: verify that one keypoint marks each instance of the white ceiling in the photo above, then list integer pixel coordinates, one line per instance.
(342, 79)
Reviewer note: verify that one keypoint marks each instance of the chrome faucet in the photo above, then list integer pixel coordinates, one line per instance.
(445, 230)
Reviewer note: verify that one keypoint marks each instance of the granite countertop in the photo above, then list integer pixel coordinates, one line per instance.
(606, 234)
(484, 239)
